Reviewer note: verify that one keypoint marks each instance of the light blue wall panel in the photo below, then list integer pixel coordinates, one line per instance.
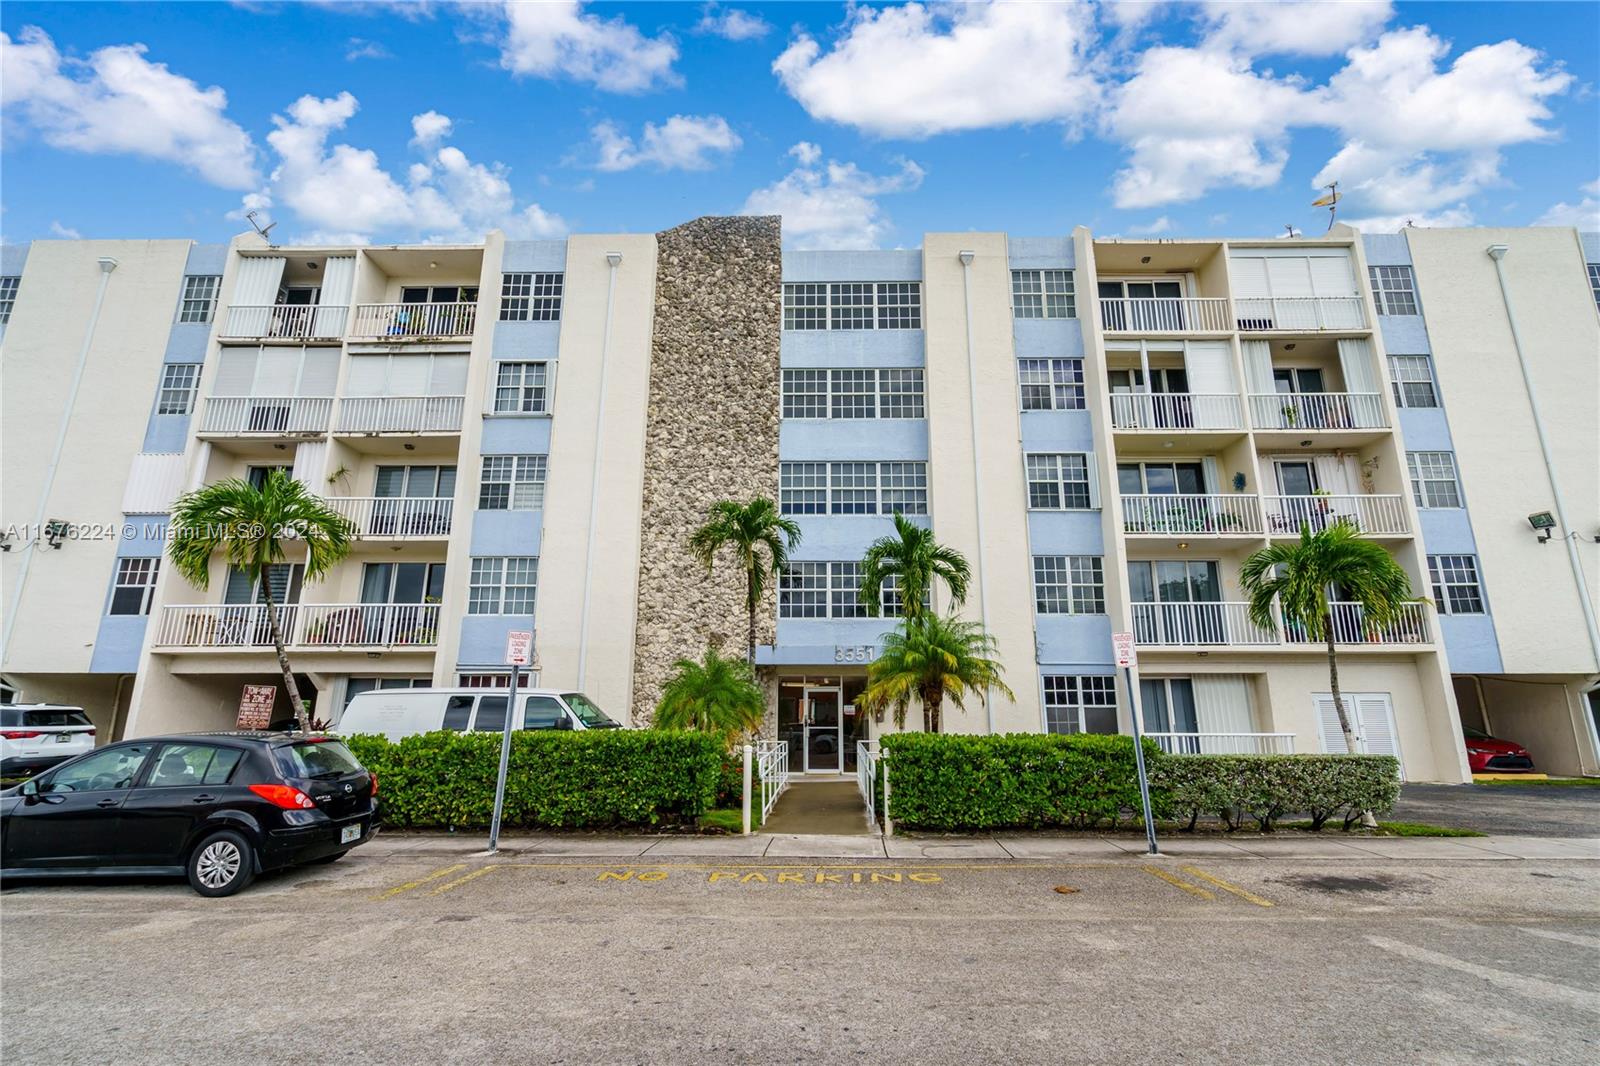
(515, 435)
(1065, 533)
(853, 438)
(1447, 531)
(1404, 335)
(1041, 253)
(483, 638)
(896, 265)
(1425, 429)
(1037, 337)
(524, 256)
(1470, 644)
(1590, 241)
(13, 257)
(117, 644)
(527, 340)
(144, 536)
(1075, 639)
(166, 433)
(825, 538)
(206, 259)
(507, 532)
(851, 348)
(1044, 431)
(1386, 249)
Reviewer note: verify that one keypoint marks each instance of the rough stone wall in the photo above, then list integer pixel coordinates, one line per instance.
(711, 434)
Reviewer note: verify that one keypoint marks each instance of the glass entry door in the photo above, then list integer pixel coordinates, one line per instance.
(824, 739)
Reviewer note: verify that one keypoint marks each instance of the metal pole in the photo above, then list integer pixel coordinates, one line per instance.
(505, 759)
(747, 790)
(1138, 758)
(888, 823)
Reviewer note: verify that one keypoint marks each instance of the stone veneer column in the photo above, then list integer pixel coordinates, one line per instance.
(711, 434)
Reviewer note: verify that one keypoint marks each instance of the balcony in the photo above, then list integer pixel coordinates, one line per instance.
(1350, 626)
(322, 626)
(1165, 412)
(1224, 743)
(1374, 515)
(1187, 625)
(1168, 514)
(286, 322)
(415, 321)
(401, 414)
(396, 517)
(1300, 313)
(1165, 314)
(1317, 411)
(266, 416)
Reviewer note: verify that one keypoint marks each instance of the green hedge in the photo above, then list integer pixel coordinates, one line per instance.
(1266, 787)
(1014, 780)
(567, 780)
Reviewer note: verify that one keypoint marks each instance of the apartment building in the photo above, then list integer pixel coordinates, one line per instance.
(524, 434)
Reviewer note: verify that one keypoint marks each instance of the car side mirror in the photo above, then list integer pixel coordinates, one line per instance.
(29, 789)
(563, 722)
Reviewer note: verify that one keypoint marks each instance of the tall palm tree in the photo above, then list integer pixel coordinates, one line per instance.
(714, 695)
(930, 657)
(914, 559)
(250, 527)
(1301, 577)
(761, 538)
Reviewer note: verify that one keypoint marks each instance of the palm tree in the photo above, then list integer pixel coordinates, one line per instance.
(930, 657)
(761, 538)
(714, 695)
(1301, 577)
(250, 527)
(914, 559)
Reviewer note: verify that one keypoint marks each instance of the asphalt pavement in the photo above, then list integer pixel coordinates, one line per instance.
(1526, 810)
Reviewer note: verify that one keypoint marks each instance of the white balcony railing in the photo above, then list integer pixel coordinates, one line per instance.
(324, 626)
(1350, 626)
(304, 321)
(1300, 313)
(1371, 514)
(1191, 515)
(267, 415)
(395, 516)
(415, 320)
(1225, 743)
(1317, 410)
(1166, 314)
(401, 414)
(1182, 625)
(1165, 411)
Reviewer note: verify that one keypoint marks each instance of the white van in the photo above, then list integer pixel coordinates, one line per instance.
(404, 712)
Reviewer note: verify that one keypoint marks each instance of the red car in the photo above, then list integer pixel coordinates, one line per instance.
(1487, 755)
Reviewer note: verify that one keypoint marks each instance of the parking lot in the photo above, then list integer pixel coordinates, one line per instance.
(401, 954)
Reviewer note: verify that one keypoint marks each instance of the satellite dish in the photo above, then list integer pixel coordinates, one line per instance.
(1330, 200)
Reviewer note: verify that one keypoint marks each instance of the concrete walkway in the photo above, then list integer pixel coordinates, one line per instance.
(826, 808)
(1003, 846)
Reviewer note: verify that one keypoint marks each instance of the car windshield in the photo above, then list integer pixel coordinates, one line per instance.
(54, 717)
(317, 758)
(587, 712)
(1474, 734)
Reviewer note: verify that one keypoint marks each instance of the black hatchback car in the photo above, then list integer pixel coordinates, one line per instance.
(219, 807)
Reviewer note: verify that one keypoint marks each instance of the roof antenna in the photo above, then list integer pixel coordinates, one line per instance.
(261, 231)
(1292, 231)
(1330, 201)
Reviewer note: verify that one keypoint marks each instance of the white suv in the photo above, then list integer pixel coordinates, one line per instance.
(34, 736)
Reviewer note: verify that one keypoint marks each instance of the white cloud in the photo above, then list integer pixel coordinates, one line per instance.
(683, 142)
(1450, 217)
(119, 102)
(1150, 229)
(66, 233)
(345, 191)
(1584, 215)
(555, 38)
(831, 206)
(361, 48)
(1301, 27)
(915, 70)
(731, 23)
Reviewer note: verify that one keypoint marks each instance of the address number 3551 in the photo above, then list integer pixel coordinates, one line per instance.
(854, 653)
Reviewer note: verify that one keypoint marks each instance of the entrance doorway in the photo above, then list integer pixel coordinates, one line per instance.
(817, 717)
(824, 726)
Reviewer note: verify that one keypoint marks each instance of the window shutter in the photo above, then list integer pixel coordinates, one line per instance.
(448, 376)
(1209, 366)
(408, 375)
(1289, 277)
(1328, 726)
(1355, 359)
(236, 372)
(368, 373)
(309, 459)
(1378, 735)
(1258, 366)
(1213, 475)
(154, 480)
(1094, 479)
(258, 280)
(1249, 277)
(1222, 705)
(320, 373)
(1331, 276)
(277, 372)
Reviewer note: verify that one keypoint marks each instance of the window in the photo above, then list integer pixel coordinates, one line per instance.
(1068, 584)
(531, 297)
(889, 393)
(1042, 294)
(193, 765)
(355, 686)
(830, 590)
(502, 585)
(803, 591)
(852, 305)
(8, 296)
(492, 680)
(491, 715)
(112, 768)
(136, 585)
(1433, 479)
(458, 710)
(1080, 704)
(512, 483)
(179, 382)
(1051, 384)
(1594, 282)
(1455, 584)
(844, 591)
(1394, 290)
(1412, 378)
(522, 388)
(199, 298)
(1058, 482)
(853, 488)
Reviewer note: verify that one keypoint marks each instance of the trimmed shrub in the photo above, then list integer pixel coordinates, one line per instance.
(556, 779)
(1266, 787)
(1015, 780)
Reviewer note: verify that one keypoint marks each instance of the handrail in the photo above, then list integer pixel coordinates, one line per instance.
(396, 516)
(1225, 743)
(304, 321)
(1164, 314)
(1382, 513)
(772, 770)
(868, 759)
(1255, 314)
(1166, 411)
(1205, 623)
(401, 414)
(1317, 410)
(268, 415)
(1351, 626)
(1186, 513)
(303, 625)
(415, 320)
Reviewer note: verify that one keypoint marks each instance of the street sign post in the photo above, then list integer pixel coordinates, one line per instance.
(1128, 658)
(519, 653)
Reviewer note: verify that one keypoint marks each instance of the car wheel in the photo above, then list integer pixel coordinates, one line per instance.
(221, 864)
(335, 857)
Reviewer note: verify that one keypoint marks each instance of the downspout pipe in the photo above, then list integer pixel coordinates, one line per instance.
(1497, 252)
(966, 258)
(613, 260)
(107, 265)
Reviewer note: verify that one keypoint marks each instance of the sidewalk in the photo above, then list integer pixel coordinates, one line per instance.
(1000, 846)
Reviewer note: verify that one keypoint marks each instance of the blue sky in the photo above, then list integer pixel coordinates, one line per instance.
(864, 126)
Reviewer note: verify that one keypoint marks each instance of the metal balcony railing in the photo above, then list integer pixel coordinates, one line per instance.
(398, 517)
(1317, 410)
(1165, 411)
(1181, 625)
(401, 414)
(325, 626)
(415, 320)
(1225, 743)
(266, 415)
(1300, 313)
(1372, 514)
(1350, 626)
(303, 321)
(1191, 515)
(1165, 314)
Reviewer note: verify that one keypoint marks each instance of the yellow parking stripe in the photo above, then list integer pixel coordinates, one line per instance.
(474, 875)
(409, 885)
(1173, 879)
(1227, 887)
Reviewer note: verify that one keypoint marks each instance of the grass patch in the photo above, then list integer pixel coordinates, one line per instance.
(1551, 782)
(1393, 829)
(730, 819)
